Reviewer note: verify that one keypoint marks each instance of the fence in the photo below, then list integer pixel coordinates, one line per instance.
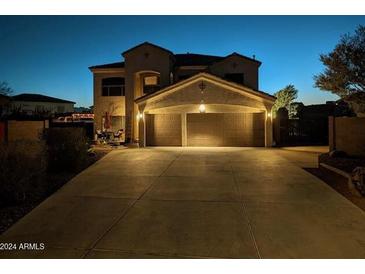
(87, 126)
(23, 130)
(347, 134)
(303, 131)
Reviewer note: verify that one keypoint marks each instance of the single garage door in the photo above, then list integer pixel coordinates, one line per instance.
(226, 129)
(163, 130)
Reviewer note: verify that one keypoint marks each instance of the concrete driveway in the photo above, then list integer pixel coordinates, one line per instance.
(194, 203)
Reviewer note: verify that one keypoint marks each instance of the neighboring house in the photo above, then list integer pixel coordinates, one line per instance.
(166, 99)
(37, 103)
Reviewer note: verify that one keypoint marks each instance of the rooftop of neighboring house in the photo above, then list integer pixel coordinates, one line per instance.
(3, 96)
(34, 97)
(185, 59)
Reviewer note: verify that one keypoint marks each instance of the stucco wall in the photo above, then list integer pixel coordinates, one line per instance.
(114, 105)
(347, 134)
(236, 64)
(143, 58)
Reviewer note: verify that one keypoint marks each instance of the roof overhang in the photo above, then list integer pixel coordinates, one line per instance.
(106, 70)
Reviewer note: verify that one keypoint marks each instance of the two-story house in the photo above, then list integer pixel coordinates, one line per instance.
(164, 99)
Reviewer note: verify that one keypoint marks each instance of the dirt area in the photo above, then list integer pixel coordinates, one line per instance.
(11, 214)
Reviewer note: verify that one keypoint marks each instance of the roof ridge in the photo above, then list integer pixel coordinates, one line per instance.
(149, 44)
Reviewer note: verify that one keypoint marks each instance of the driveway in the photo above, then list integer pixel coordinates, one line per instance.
(194, 203)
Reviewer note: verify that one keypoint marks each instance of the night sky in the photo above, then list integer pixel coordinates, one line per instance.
(51, 54)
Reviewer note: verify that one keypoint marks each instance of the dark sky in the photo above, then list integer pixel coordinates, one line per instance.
(51, 54)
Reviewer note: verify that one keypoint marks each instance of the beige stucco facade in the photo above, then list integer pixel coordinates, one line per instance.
(114, 105)
(143, 59)
(176, 96)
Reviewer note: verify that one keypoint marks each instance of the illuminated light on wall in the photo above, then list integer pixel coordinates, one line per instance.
(202, 108)
(269, 114)
(139, 116)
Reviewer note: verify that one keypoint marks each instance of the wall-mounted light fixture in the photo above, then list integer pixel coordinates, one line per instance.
(269, 114)
(139, 116)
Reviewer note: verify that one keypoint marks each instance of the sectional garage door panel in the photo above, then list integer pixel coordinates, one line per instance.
(163, 130)
(204, 129)
(226, 129)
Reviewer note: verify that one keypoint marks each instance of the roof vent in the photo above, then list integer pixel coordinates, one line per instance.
(254, 57)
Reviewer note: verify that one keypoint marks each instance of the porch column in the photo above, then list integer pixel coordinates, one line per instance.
(268, 128)
(184, 142)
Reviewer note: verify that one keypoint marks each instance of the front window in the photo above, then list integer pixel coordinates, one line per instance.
(151, 83)
(114, 86)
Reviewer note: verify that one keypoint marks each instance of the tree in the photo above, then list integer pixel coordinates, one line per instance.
(294, 109)
(344, 74)
(5, 89)
(284, 97)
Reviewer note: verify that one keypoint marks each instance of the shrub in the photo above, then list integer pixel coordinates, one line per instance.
(67, 149)
(22, 165)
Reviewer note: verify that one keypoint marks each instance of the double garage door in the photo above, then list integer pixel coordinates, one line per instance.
(206, 129)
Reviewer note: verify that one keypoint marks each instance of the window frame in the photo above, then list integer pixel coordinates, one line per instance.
(108, 87)
(147, 89)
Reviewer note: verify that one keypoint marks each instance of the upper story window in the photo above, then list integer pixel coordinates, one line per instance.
(151, 83)
(235, 77)
(114, 86)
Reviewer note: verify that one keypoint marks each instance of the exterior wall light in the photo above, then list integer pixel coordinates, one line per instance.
(139, 116)
(202, 108)
(269, 114)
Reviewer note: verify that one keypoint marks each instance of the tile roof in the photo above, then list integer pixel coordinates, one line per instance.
(111, 65)
(192, 59)
(188, 59)
(149, 44)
